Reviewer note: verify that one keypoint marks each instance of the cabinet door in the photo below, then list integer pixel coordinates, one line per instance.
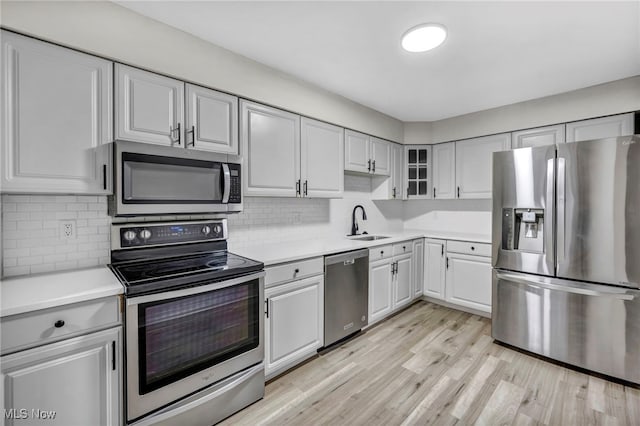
(418, 266)
(294, 323)
(149, 107)
(418, 172)
(540, 136)
(211, 120)
(598, 128)
(78, 379)
(474, 159)
(469, 281)
(321, 159)
(356, 152)
(444, 170)
(271, 151)
(403, 281)
(380, 290)
(434, 268)
(380, 157)
(56, 119)
(397, 172)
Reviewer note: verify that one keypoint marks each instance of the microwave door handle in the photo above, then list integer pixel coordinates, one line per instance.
(227, 183)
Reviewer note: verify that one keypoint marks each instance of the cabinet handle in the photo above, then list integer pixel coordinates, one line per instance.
(266, 307)
(104, 177)
(458, 192)
(381, 252)
(394, 192)
(369, 165)
(447, 263)
(113, 355)
(442, 250)
(305, 187)
(298, 187)
(58, 324)
(172, 131)
(434, 192)
(374, 166)
(179, 135)
(193, 136)
(297, 271)
(473, 248)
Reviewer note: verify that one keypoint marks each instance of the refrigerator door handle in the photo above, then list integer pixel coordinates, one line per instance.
(532, 281)
(549, 218)
(560, 210)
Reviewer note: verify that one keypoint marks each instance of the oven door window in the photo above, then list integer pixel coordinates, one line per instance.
(153, 179)
(179, 337)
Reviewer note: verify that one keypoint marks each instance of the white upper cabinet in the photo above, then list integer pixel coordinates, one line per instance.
(56, 119)
(356, 152)
(149, 107)
(380, 157)
(418, 172)
(397, 168)
(597, 128)
(212, 120)
(444, 170)
(322, 159)
(271, 151)
(540, 136)
(474, 159)
(366, 154)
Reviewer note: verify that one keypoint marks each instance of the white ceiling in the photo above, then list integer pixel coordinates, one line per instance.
(497, 53)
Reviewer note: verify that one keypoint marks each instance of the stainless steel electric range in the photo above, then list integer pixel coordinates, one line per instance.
(193, 322)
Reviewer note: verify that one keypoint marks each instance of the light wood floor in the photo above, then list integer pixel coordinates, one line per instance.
(434, 365)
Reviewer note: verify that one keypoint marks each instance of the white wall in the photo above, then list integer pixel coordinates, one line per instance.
(604, 99)
(109, 30)
(460, 216)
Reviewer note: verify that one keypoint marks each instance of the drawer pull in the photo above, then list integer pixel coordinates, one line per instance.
(381, 252)
(473, 248)
(296, 271)
(404, 248)
(58, 324)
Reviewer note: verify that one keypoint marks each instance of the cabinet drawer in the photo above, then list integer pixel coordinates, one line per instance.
(380, 252)
(47, 325)
(293, 271)
(402, 248)
(465, 247)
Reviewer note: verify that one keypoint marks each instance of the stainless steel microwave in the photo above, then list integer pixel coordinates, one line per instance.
(157, 180)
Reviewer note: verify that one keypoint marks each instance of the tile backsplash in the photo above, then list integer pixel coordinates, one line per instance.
(33, 239)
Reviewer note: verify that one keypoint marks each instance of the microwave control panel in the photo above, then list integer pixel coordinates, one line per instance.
(235, 195)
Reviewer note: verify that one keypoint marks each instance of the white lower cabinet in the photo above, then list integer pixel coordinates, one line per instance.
(294, 323)
(434, 268)
(391, 279)
(459, 273)
(418, 266)
(469, 281)
(380, 289)
(72, 382)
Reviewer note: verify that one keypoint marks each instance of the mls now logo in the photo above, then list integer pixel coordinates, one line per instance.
(24, 413)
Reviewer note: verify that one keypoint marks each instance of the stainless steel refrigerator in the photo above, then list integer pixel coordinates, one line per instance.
(566, 253)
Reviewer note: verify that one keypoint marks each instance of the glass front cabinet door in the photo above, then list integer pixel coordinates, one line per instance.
(418, 171)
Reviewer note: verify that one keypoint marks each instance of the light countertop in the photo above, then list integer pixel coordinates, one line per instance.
(280, 252)
(34, 292)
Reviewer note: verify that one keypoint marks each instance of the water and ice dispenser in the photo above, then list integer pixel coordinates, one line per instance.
(523, 230)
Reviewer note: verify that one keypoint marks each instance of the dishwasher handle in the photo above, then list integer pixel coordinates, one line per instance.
(346, 258)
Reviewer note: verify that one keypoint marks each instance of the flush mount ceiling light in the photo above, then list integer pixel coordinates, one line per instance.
(423, 37)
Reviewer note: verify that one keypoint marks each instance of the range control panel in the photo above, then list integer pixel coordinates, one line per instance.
(141, 235)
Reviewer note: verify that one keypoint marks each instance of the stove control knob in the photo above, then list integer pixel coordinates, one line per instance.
(129, 235)
(217, 230)
(206, 230)
(145, 234)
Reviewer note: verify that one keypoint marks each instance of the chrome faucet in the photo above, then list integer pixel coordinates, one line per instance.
(354, 224)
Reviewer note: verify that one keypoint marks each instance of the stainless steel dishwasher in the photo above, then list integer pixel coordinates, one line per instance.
(346, 294)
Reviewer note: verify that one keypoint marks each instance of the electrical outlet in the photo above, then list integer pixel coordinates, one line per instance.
(68, 229)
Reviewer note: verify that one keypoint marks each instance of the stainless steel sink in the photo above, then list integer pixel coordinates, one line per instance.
(369, 237)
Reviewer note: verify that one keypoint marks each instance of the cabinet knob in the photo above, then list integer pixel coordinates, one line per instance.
(473, 248)
(404, 248)
(381, 252)
(296, 271)
(58, 324)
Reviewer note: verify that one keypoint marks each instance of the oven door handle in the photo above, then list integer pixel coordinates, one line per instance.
(132, 301)
(227, 183)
